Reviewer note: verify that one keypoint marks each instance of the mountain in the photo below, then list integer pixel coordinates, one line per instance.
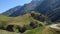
(12, 10)
(21, 10)
(50, 8)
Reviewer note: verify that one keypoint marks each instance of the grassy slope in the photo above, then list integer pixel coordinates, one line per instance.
(42, 30)
(20, 20)
(6, 32)
(48, 30)
(34, 31)
(25, 20)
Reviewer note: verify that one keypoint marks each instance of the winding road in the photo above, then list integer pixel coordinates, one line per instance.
(54, 26)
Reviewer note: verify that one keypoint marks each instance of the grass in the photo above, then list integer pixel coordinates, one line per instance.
(6, 32)
(34, 31)
(58, 25)
(20, 21)
(25, 20)
(48, 30)
(42, 30)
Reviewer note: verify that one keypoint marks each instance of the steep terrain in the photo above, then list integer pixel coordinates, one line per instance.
(12, 10)
(21, 10)
(22, 23)
(43, 30)
(50, 8)
(35, 17)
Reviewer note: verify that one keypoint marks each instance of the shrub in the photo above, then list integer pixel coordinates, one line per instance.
(10, 28)
(35, 24)
(2, 24)
(16, 28)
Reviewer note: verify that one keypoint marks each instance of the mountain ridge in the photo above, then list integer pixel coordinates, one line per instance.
(49, 8)
(26, 8)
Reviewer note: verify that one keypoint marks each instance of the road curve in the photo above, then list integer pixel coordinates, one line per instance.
(54, 26)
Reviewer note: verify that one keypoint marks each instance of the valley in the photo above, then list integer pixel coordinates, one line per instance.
(36, 17)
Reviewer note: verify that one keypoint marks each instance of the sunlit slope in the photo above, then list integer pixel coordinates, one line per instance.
(6, 32)
(43, 30)
(23, 20)
(28, 21)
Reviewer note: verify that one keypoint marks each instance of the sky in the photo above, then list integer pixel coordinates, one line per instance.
(8, 4)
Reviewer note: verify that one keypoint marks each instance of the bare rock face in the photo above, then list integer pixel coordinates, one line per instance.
(50, 8)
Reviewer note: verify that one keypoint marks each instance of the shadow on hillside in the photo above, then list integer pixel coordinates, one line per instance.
(17, 28)
(10, 28)
(13, 28)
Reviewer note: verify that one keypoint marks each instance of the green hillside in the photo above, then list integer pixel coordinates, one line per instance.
(42, 30)
(21, 23)
(7, 32)
(31, 23)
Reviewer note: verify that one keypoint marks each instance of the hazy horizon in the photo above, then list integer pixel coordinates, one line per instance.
(7, 4)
